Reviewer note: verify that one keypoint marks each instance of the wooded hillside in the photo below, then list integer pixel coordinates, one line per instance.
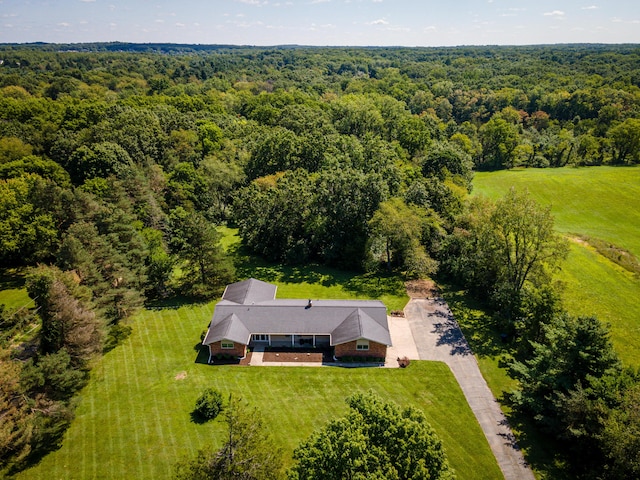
(118, 162)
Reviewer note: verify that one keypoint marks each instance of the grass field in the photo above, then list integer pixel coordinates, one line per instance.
(13, 295)
(133, 420)
(600, 202)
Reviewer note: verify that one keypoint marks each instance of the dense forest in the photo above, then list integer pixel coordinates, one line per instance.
(118, 162)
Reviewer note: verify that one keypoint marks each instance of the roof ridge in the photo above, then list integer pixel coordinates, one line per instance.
(359, 313)
(249, 281)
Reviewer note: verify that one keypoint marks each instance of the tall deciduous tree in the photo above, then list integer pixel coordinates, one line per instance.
(374, 440)
(500, 249)
(621, 436)
(28, 230)
(524, 240)
(625, 141)
(499, 139)
(400, 228)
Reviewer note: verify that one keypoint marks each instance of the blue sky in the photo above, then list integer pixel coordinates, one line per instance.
(322, 22)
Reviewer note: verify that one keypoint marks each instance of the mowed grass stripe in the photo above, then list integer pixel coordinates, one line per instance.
(131, 390)
(294, 401)
(151, 398)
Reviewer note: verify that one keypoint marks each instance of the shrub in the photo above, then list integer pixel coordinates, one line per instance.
(404, 362)
(209, 405)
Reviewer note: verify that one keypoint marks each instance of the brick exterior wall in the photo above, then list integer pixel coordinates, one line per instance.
(349, 350)
(239, 349)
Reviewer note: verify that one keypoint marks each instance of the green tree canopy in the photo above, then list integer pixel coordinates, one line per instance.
(399, 231)
(375, 440)
(500, 249)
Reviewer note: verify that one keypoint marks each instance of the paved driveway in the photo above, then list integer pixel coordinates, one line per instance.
(404, 344)
(438, 337)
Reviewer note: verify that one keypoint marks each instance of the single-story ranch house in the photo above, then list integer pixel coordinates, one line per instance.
(250, 315)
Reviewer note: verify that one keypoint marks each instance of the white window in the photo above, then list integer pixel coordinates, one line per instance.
(362, 345)
(259, 337)
(226, 345)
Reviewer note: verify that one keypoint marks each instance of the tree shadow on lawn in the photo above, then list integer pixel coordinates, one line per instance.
(541, 450)
(369, 285)
(173, 302)
(481, 330)
(197, 418)
(12, 278)
(202, 356)
(249, 265)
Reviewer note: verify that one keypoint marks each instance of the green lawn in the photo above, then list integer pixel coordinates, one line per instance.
(316, 281)
(13, 295)
(600, 202)
(133, 420)
(597, 286)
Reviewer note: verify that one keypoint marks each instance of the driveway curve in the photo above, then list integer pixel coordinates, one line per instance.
(438, 337)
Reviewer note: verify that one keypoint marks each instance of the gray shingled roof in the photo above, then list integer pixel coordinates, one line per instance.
(229, 328)
(360, 325)
(344, 320)
(249, 291)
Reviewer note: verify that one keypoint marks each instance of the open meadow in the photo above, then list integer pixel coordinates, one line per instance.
(601, 203)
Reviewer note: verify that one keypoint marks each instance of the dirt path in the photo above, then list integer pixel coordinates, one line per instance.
(438, 337)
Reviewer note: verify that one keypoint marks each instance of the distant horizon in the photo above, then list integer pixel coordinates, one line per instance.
(297, 45)
(322, 23)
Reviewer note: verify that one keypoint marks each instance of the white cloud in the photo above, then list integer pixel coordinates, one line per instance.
(591, 7)
(179, 24)
(64, 24)
(257, 3)
(555, 13)
(380, 21)
(313, 2)
(88, 1)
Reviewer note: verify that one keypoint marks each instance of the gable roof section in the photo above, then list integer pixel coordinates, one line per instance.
(360, 325)
(249, 291)
(249, 307)
(229, 328)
